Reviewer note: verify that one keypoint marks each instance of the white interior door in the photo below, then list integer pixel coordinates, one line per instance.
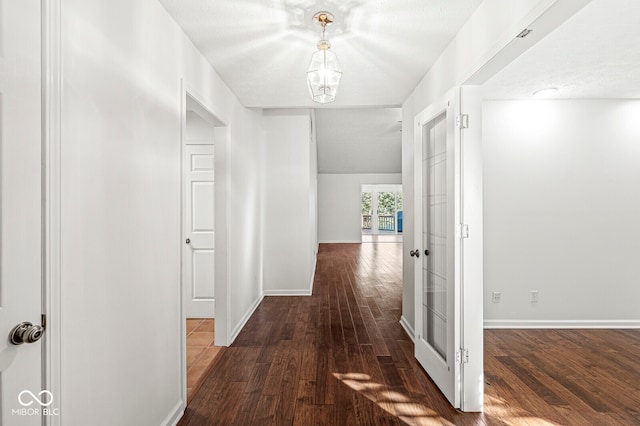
(20, 211)
(437, 255)
(199, 225)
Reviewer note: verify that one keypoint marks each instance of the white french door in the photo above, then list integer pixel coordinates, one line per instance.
(199, 225)
(437, 256)
(22, 398)
(380, 206)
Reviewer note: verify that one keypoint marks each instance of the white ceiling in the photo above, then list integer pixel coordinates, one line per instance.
(594, 54)
(359, 140)
(262, 48)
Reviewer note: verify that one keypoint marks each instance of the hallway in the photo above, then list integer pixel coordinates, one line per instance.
(337, 357)
(340, 357)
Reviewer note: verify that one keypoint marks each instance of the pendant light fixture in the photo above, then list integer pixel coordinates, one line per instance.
(323, 75)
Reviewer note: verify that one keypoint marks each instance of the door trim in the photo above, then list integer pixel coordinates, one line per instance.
(51, 205)
(222, 206)
(472, 337)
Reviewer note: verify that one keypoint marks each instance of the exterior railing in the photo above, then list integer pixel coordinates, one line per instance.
(385, 222)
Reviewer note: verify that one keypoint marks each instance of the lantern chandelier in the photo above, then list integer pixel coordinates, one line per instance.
(323, 75)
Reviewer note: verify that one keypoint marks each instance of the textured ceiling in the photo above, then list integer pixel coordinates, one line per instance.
(262, 48)
(595, 54)
(359, 140)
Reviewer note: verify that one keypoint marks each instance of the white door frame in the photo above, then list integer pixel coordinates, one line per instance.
(221, 285)
(471, 205)
(51, 184)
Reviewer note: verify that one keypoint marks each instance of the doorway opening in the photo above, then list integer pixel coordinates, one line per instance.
(203, 281)
(381, 213)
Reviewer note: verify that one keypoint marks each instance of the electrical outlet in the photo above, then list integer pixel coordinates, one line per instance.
(496, 297)
(534, 296)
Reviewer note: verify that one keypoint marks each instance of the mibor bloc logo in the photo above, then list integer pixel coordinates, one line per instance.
(35, 404)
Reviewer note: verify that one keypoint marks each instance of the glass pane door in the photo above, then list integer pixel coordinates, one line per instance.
(366, 211)
(436, 256)
(386, 211)
(434, 233)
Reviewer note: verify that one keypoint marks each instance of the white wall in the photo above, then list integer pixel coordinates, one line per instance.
(339, 204)
(561, 212)
(198, 129)
(120, 182)
(484, 45)
(359, 140)
(289, 227)
(245, 215)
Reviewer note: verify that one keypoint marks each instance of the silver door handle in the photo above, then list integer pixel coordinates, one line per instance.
(25, 332)
(415, 253)
(188, 241)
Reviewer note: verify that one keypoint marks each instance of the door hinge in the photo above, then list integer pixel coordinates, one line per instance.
(462, 231)
(43, 321)
(462, 356)
(462, 121)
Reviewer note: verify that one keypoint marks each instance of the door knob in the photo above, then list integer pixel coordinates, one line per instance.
(25, 332)
(426, 252)
(415, 253)
(188, 241)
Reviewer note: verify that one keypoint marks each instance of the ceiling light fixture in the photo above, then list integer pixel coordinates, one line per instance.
(323, 75)
(544, 93)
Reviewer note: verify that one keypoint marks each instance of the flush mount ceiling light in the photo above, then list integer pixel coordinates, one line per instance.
(323, 75)
(545, 93)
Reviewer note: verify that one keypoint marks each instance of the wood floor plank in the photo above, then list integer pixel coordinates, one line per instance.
(518, 366)
(373, 331)
(340, 357)
(324, 415)
(285, 409)
(305, 401)
(309, 357)
(265, 411)
(389, 371)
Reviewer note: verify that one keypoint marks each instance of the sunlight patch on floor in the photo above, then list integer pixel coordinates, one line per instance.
(391, 401)
(511, 416)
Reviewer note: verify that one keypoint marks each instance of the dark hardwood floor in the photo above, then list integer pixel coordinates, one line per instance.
(340, 357)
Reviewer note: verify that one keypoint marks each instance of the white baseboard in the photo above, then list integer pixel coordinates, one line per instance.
(238, 328)
(341, 242)
(408, 328)
(612, 324)
(294, 292)
(313, 271)
(175, 415)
